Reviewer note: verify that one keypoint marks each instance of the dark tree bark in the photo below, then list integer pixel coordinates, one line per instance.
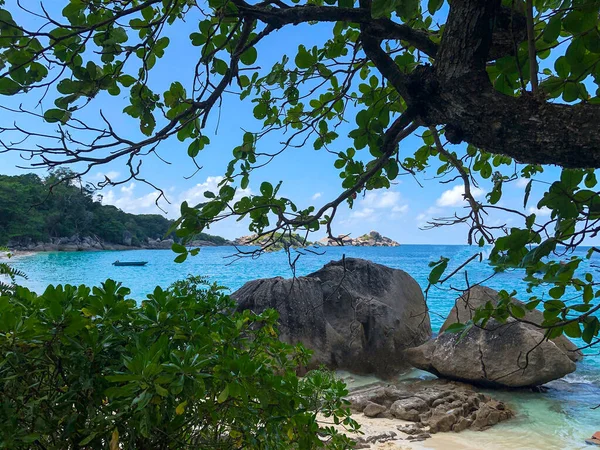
(456, 91)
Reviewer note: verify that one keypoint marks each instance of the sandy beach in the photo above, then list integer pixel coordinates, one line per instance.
(510, 435)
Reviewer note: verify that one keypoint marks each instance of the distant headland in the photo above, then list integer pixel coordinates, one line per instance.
(73, 219)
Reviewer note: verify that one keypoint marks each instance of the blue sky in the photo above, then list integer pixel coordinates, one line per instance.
(308, 175)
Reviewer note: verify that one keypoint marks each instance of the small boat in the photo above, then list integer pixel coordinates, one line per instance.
(130, 263)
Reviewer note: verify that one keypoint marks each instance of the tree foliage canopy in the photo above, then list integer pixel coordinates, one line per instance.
(515, 81)
(89, 368)
(36, 209)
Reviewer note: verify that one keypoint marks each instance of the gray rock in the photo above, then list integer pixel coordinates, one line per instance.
(438, 405)
(408, 409)
(442, 422)
(462, 424)
(354, 314)
(127, 238)
(501, 355)
(478, 296)
(373, 409)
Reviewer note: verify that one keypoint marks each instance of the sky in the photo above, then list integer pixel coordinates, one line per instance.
(308, 176)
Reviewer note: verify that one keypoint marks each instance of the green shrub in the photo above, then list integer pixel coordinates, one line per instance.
(89, 368)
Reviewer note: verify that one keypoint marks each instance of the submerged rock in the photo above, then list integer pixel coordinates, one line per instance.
(354, 314)
(478, 296)
(500, 355)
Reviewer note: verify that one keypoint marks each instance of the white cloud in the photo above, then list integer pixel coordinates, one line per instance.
(522, 182)
(375, 204)
(455, 196)
(100, 176)
(316, 195)
(544, 211)
(428, 215)
(125, 198)
(400, 209)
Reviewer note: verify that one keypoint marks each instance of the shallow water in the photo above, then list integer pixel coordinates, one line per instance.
(560, 418)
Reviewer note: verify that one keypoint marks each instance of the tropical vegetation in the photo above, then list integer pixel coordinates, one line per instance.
(91, 368)
(36, 209)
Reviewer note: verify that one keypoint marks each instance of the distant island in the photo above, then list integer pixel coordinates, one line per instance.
(372, 239)
(71, 219)
(274, 242)
(280, 241)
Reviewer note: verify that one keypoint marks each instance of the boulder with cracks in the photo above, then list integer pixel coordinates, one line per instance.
(353, 314)
(509, 354)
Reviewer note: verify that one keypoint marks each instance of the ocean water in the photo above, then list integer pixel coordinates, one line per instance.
(560, 418)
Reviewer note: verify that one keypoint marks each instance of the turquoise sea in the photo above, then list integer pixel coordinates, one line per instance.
(560, 418)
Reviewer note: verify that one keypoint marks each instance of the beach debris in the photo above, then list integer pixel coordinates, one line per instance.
(594, 440)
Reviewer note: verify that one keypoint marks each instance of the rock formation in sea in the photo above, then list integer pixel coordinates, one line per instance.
(273, 241)
(432, 406)
(354, 314)
(510, 354)
(478, 296)
(372, 239)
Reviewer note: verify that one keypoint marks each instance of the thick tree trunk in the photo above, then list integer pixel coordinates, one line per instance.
(525, 128)
(456, 92)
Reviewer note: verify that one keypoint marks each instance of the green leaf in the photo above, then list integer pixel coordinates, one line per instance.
(88, 439)
(552, 29)
(8, 86)
(381, 8)
(434, 5)
(161, 390)
(562, 67)
(437, 271)
(304, 59)
(577, 22)
(556, 292)
(57, 115)
(181, 258)
(516, 310)
(527, 192)
(456, 328)
(572, 330)
(224, 395)
(178, 248)
(249, 56)
(590, 330)
(181, 408)
(126, 80)
(571, 92)
(266, 189)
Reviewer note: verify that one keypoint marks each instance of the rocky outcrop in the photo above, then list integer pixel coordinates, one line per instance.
(434, 406)
(86, 243)
(478, 296)
(273, 242)
(372, 239)
(510, 354)
(354, 314)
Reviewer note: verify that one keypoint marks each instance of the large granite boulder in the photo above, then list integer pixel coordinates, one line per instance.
(478, 296)
(354, 314)
(511, 354)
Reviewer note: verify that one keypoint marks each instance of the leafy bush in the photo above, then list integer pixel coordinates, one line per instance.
(8, 274)
(89, 368)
